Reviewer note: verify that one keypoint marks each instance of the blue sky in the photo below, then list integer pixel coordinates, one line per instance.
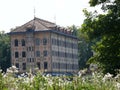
(64, 12)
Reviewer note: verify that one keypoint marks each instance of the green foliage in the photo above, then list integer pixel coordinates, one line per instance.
(96, 2)
(84, 46)
(84, 50)
(4, 51)
(96, 81)
(105, 29)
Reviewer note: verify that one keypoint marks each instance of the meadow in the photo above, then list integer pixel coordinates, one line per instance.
(95, 81)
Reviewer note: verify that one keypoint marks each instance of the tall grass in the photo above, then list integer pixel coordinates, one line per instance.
(96, 81)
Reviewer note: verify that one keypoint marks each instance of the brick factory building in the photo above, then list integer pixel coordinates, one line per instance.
(43, 44)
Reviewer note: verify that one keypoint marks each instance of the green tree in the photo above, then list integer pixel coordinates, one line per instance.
(84, 49)
(105, 29)
(84, 46)
(4, 51)
(73, 29)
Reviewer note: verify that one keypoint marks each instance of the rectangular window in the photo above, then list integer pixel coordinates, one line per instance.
(37, 53)
(24, 66)
(37, 41)
(52, 53)
(30, 49)
(16, 42)
(45, 65)
(38, 64)
(58, 65)
(27, 59)
(53, 41)
(17, 65)
(44, 41)
(58, 53)
(58, 42)
(32, 59)
(23, 54)
(53, 65)
(23, 42)
(45, 53)
(16, 55)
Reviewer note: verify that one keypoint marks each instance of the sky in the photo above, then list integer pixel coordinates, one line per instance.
(15, 13)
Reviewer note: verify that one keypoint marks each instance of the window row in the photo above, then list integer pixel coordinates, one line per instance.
(64, 54)
(64, 66)
(30, 60)
(17, 54)
(23, 66)
(64, 43)
(30, 48)
(37, 54)
(45, 53)
(37, 42)
(45, 64)
(16, 42)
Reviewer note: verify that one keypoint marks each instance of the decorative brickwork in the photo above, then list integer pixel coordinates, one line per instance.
(44, 45)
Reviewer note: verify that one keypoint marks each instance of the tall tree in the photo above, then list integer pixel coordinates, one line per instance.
(4, 51)
(84, 49)
(84, 46)
(106, 29)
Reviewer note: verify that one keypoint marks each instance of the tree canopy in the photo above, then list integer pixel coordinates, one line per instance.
(4, 51)
(105, 29)
(84, 46)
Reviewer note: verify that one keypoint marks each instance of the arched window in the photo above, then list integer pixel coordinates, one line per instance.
(45, 53)
(37, 53)
(45, 65)
(23, 54)
(23, 42)
(16, 42)
(17, 65)
(24, 66)
(16, 54)
(37, 41)
(44, 41)
(38, 64)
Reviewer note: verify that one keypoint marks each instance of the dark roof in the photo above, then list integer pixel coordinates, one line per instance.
(40, 25)
(37, 24)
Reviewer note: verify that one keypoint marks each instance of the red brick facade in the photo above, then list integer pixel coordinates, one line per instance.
(42, 44)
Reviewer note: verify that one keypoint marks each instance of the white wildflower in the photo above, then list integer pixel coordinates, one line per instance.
(48, 75)
(93, 74)
(117, 77)
(118, 86)
(9, 71)
(0, 70)
(26, 80)
(107, 76)
(79, 74)
(23, 74)
(12, 69)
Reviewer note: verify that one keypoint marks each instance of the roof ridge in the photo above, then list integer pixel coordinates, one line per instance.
(44, 20)
(42, 23)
